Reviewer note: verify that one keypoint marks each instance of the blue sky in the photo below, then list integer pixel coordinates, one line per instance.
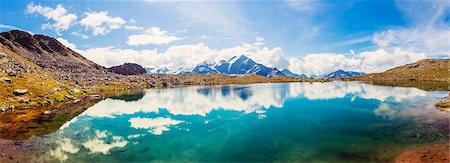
(284, 34)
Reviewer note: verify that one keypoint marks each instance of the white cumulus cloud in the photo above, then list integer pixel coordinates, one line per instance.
(66, 43)
(154, 36)
(101, 23)
(60, 18)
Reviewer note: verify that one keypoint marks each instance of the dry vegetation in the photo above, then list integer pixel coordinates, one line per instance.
(423, 70)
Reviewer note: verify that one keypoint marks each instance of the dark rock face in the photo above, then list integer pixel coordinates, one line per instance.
(128, 69)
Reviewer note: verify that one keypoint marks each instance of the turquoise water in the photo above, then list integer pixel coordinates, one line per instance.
(337, 121)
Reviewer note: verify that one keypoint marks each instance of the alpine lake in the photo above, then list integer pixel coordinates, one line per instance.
(271, 122)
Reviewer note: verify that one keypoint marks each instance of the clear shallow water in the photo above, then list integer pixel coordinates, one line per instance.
(337, 121)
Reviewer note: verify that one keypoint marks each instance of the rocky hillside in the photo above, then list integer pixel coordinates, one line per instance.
(423, 70)
(48, 53)
(128, 69)
(23, 83)
(36, 70)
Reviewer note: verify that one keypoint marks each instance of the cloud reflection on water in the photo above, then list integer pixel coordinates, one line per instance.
(247, 99)
(201, 101)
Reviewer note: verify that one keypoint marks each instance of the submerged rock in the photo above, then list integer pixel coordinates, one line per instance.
(19, 92)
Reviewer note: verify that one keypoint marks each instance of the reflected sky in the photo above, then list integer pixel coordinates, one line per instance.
(205, 123)
(247, 99)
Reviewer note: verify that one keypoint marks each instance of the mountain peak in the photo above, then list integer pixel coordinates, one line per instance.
(287, 72)
(243, 57)
(342, 74)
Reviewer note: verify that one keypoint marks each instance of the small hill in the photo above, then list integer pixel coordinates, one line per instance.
(423, 70)
(128, 69)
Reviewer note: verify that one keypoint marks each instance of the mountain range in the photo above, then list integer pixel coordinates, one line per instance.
(239, 66)
(244, 66)
(47, 52)
(289, 73)
(342, 74)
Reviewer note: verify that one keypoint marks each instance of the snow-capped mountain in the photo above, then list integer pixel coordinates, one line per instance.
(205, 68)
(289, 73)
(342, 74)
(245, 66)
(157, 71)
(235, 66)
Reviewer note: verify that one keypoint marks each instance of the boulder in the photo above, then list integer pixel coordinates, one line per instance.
(12, 73)
(19, 92)
(6, 108)
(5, 80)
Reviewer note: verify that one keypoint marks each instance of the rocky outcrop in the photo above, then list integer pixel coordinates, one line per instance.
(128, 69)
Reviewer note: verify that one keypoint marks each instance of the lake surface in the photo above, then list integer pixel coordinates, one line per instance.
(336, 121)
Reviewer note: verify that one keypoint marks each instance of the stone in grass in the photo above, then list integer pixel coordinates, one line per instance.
(76, 90)
(19, 92)
(6, 108)
(13, 74)
(47, 112)
(70, 97)
(57, 89)
(5, 80)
